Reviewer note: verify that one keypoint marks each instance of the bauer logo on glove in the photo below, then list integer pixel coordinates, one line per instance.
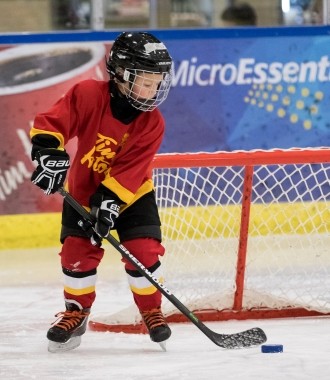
(50, 173)
(105, 210)
(106, 215)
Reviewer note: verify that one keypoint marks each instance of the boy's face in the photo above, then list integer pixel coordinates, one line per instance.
(144, 87)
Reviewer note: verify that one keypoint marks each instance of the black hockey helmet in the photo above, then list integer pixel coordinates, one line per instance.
(140, 51)
(135, 53)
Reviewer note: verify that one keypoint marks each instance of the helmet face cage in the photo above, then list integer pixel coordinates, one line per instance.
(139, 61)
(147, 89)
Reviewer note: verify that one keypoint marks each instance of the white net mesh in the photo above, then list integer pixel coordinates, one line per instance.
(288, 254)
(212, 263)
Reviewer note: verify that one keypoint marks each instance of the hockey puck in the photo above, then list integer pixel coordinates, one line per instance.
(271, 348)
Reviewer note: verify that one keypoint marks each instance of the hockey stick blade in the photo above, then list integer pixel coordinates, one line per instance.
(245, 339)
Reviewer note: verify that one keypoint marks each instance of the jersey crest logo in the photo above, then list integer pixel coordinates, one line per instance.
(100, 156)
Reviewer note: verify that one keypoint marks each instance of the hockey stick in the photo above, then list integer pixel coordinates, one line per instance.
(244, 339)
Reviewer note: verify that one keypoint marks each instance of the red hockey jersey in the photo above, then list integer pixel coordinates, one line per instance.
(108, 151)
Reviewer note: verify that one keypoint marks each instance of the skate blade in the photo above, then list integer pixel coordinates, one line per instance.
(163, 345)
(62, 347)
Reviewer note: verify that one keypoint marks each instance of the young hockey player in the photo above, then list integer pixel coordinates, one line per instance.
(118, 129)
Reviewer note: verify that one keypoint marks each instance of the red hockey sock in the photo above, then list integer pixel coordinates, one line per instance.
(147, 251)
(79, 259)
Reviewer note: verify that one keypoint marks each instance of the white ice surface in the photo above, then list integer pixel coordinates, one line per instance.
(31, 293)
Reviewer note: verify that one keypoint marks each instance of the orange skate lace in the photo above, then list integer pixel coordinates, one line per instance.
(153, 318)
(69, 319)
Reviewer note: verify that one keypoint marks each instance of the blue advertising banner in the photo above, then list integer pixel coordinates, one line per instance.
(248, 93)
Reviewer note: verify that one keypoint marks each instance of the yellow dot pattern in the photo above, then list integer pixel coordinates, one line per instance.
(299, 105)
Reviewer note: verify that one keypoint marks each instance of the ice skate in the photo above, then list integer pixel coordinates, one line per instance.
(66, 332)
(158, 329)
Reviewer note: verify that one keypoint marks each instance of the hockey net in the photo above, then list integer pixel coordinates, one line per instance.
(247, 235)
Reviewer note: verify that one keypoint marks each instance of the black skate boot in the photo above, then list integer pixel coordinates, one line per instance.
(65, 334)
(159, 330)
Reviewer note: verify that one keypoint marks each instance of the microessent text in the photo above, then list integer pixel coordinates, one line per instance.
(249, 71)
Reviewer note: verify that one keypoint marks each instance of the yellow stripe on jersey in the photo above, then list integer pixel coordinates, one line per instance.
(124, 194)
(59, 136)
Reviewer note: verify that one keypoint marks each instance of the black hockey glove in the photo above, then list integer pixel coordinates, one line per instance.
(51, 170)
(105, 209)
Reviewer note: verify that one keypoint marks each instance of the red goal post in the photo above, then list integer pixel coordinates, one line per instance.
(247, 235)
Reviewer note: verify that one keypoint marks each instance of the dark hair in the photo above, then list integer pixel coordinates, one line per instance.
(240, 14)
